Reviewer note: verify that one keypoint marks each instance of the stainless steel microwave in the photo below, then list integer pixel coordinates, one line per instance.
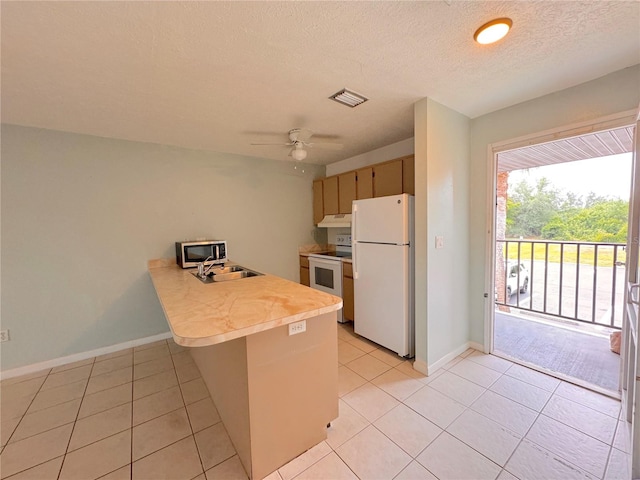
(190, 254)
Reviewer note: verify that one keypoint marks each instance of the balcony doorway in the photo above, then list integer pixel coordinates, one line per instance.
(560, 252)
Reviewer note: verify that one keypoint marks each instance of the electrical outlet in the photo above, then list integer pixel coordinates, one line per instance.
(297, 327)
(4, 336)
(439, 241)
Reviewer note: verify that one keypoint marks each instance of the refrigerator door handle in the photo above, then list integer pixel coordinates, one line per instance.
(354, 256)
(354, 222)
(354, 240)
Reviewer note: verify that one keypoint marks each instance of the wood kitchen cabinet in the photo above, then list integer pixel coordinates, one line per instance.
(330, 195)
(318, 203)
(346, 191)
(334, 195)
(348, 307)
(387, 178)
(364, 187)
(304, 270)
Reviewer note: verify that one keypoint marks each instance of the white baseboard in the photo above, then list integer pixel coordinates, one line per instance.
(451, 355)
(56, 362)
(420, 366)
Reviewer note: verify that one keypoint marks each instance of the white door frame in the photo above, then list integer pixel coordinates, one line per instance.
(608, 122)
(630, 366)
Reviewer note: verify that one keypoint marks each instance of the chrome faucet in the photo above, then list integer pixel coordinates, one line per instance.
(203, 271)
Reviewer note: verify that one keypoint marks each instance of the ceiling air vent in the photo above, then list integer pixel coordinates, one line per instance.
(348, 98)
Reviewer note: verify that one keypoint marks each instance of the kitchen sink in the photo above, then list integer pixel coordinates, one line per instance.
(231, 269)
(223, 274)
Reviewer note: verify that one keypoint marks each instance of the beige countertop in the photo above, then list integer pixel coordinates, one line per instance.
(202, 314)
(305, 250)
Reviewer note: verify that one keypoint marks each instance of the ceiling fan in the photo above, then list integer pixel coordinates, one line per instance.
(299, 140)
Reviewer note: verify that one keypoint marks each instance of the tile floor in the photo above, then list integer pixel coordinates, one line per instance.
(145, 413)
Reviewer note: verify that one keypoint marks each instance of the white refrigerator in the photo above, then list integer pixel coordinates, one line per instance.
(383, 251)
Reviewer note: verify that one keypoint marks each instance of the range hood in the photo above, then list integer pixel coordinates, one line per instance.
(336, 221)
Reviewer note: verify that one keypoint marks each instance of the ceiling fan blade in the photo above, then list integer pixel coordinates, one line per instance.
(321, 137)
(326, 146)
(263, 132)
(299, 140)
(301, 134)
(274, 144)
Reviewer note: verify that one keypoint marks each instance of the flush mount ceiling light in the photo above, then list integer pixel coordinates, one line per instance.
(493, 31)
(348, 98)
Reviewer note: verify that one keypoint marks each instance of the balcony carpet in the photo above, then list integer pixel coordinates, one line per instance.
(579, 355)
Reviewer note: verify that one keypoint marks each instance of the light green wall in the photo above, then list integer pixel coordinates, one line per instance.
(81, 216)
(442, 158)
(421, 290)
(614, 93)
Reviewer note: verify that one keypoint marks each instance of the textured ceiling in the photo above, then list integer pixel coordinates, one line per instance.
(220, 75)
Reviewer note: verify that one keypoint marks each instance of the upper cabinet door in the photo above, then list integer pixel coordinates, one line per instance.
(330, 195)
(346, 191)
(408, 175)
(387, 179)
(318, 210)
(364, 183)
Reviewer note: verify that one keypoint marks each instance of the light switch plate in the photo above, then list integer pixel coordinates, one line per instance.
(439, 241)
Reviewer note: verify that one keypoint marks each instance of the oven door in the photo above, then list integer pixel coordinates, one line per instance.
(326, 275)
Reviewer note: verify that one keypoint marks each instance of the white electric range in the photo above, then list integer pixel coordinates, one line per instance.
(325, 269)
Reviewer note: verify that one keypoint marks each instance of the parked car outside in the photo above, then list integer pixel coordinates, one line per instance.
(513, 282)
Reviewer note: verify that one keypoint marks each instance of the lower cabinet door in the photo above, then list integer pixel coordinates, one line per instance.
(347, 298)
(304, 276)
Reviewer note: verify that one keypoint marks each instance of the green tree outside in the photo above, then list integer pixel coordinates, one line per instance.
(544, 212)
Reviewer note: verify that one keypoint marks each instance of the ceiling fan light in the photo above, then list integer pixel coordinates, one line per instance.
(493, 31)
(299, 153)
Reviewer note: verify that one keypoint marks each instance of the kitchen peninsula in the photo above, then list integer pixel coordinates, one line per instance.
(275, 392)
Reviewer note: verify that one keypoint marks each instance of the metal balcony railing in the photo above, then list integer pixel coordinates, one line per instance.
(582, 281)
